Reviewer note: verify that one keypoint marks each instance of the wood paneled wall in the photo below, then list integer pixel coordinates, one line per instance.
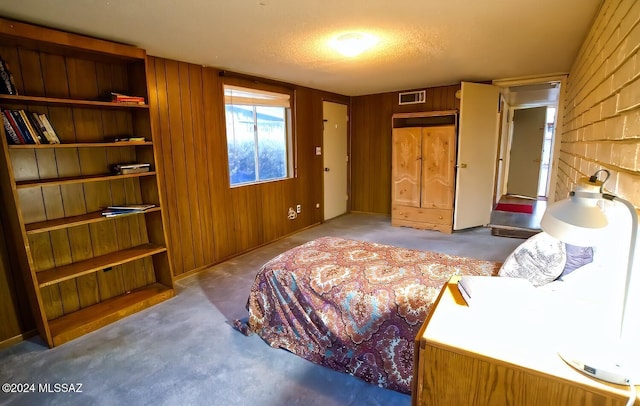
(207, 220)
(371, 143)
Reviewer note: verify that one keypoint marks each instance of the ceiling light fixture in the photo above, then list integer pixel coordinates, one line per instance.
(353, 43)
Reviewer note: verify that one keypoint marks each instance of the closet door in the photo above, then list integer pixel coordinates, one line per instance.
(405, 161)
(438, 164)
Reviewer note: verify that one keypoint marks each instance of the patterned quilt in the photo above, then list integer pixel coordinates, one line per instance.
(353, 306)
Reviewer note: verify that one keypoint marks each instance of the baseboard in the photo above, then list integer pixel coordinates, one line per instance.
(237, 254)
(370, 213)
(19, 338)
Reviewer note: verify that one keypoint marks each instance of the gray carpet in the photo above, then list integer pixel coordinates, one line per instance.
(185, 352)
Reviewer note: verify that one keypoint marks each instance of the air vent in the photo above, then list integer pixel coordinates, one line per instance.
(416, 97)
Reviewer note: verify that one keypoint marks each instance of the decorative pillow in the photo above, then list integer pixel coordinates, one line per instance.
(540, 259)
(576, 257)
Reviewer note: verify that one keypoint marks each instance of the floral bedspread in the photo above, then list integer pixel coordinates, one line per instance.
(353, 306)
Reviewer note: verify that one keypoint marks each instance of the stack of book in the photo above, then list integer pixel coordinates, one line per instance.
(124, 169)
(28, 127)
(7, 84)
(123, 98)
(113, 211)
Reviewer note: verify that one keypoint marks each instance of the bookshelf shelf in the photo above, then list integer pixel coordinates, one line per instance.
(37, 100)
(78, 323)
(73, 270)
(82, 145)
(66, 222)
(64, 76)
(78, 179)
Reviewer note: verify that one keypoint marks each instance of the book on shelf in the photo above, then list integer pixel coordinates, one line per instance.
(130, 139)
(10, 133)
(39, 126)
(50, 130)
(14, 126)
(22, 127)
(123, 98)
(29, 127)
(37, 137)
(124, 169)
(35, 126)
(7, 84)
(122, 210)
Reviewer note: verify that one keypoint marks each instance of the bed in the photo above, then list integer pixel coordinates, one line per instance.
(352, 306)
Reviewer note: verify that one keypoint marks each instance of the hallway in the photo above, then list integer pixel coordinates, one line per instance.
(517, 225)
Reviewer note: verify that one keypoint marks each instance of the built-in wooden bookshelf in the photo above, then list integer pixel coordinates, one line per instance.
(82, 270)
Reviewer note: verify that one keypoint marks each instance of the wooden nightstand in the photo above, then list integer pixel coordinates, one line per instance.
(508, 356)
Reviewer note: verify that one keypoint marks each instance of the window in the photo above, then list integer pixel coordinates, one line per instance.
(258, 135)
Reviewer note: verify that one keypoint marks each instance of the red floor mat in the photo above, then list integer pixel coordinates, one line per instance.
(515, 208)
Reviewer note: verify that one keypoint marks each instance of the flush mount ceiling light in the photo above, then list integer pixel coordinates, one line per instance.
(353, 43)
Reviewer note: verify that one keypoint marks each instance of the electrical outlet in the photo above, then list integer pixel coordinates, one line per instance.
(298, 208)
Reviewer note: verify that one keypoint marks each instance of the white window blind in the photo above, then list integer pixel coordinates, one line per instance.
(252, 97)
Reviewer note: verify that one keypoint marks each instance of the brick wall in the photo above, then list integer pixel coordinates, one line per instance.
(602, 130)
(602, 105)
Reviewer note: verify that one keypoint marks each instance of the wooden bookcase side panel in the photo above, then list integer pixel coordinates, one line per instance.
(12, 217)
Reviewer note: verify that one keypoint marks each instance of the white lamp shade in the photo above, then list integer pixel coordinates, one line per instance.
(575, 221)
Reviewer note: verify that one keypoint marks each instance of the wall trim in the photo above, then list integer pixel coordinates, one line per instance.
(17, 339)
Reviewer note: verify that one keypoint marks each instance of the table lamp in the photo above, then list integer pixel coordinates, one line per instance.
(579, 220)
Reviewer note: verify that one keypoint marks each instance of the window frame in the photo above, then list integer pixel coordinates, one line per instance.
(290, 127)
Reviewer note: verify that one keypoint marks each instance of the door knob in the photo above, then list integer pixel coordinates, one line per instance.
(326, 169)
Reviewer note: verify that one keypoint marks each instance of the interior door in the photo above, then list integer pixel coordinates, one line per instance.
(335, 159)
(526, 151)
(477, 149)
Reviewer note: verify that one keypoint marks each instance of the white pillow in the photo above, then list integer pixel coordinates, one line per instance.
(540, 259)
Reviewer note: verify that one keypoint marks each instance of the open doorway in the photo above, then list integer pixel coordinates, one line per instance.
(527, 159)
(534, 108)
(530, 152)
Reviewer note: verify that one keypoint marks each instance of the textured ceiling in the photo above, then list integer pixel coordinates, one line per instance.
(422, 42)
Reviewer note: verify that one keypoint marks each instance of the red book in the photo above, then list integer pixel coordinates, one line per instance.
(15, 126)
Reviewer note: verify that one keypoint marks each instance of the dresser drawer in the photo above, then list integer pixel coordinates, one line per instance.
(432, 216)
